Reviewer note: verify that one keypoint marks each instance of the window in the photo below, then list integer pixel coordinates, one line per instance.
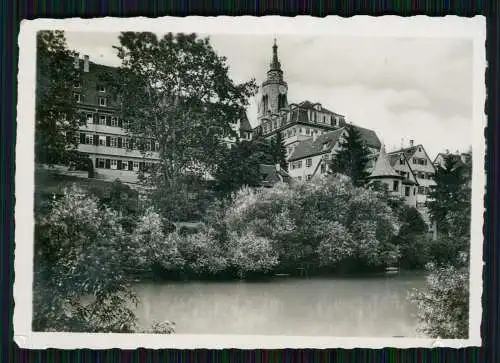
(309, 162)
(113, 142)
(395, 185)
(114, 164)
(102, 140)
(102, 89)
(323, 168)
(135, 166)
(77, 97)
(299, 164)
(90, 118)
(77, 84)
(114, 121)
(157, 146)
(307, 132)
(102, 101)
(421, 190)
(414, 191)
(407, 191)
(89, 139)
(308, 177)
(102, 120)
(299, 178)
(401, 161)
(414, 160)
(101, 163)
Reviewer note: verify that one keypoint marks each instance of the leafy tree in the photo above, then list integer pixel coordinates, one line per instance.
(443, 307)
(80, 285)
(352, 158)
(55, 111)
(279, 151)
(241, 165)
(176, 91)
(450, 199)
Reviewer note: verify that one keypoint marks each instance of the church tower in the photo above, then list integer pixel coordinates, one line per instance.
(273, 89)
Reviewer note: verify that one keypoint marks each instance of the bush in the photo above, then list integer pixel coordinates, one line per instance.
(322, 222)
(150, 248)
(201, 252)
(250, 253)
(443, 307)
(80, 254)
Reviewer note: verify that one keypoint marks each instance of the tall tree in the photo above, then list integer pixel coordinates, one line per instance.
(352, 157)
(450, 199)
(56, 116)
(279, 151)
(177, 91)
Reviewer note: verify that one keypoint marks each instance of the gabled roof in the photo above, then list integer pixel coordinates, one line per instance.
(312, 147)
(310, 105)
(271, 175)
(383, 168)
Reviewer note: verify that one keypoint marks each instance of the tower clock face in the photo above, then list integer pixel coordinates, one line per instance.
(282, 90)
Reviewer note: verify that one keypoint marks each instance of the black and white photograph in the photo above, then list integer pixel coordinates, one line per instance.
(250, 182)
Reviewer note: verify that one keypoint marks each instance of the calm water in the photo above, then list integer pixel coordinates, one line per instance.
(374, 306)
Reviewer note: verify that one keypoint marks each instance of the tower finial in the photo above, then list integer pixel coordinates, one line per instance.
(275, 64)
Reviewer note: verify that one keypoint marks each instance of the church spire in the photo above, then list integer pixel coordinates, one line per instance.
(275, 64)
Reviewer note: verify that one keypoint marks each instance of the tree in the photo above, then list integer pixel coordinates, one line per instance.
(279, 151)
(55, 111)
(79, 281)
(176, 91)
(351, 159)
(241, 165)
(450, 199)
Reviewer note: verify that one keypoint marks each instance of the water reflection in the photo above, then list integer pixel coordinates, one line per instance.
(319, 306)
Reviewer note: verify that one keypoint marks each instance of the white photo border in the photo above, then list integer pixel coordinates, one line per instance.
(393, 26)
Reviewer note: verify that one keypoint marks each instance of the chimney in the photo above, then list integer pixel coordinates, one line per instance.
(411, 143)
(76, 61)
(85, 63)
(447, 151)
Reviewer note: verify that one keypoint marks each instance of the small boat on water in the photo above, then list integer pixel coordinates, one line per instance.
(281, 275)
(391, 270)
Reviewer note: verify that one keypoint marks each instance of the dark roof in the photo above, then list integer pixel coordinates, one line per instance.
(245, 124)
(369, 136)
(312, 147)
(408, 151)
(382, 167)
(271, 175)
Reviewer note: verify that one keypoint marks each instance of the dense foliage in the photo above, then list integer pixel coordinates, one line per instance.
(240, 165)
(352, 158)
(279, 151)
(56, 117)
(176, 91)
(443, 308)
(79, 280)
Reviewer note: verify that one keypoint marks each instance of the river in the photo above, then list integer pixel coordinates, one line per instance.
(340, 306)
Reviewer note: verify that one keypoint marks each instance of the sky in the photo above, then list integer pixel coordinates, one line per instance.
(403, 88)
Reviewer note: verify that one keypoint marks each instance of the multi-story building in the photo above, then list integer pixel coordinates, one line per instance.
(103, 137)
(424, 171)
(296, 122)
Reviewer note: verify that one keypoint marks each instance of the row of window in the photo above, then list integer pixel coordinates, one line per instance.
(104, 119)
(117, 164)
(100, 88)
(419, 161)
(101, 100)
(118, 142)
(276, 124)
(308, 177)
